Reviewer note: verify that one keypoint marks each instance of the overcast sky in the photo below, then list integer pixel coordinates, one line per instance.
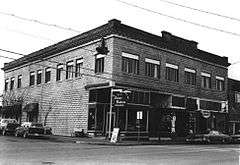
(26, 37)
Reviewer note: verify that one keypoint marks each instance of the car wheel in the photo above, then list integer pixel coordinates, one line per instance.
(25, 135)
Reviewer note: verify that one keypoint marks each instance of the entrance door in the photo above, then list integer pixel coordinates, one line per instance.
(113, 122)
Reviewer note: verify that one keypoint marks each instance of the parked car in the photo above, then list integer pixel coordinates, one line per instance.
(8, 126)
(209, 137)
(235, 138)
(32, 129)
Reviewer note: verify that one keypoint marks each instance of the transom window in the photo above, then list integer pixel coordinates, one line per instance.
(220, 83)
(190, 76)
(130, 63)
(152, 68)
(172, 72)
(206, 80)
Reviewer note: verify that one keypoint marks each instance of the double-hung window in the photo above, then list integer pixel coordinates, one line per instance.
(79, 65)
(6, 84)
(130, 63)
(19, 81)
(12, 83)
(99, 63)
(32, 78)
(172, 72)
(152, 68)
(69, 70)
(237, 97)
(220, 83)
(190, 76)
(39, 76)
(47, 75)
(59, 72)
(206, 80)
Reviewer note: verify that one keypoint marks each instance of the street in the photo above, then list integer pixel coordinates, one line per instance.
(16, 150)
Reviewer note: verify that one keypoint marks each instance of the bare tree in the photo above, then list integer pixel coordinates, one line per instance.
(52, 103)
(14, 98)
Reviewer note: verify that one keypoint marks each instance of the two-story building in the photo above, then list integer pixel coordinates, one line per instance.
(169, 86)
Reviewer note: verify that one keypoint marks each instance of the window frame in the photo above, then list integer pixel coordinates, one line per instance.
(31, 78)
(47, 75)
(190, 76)
(19, 81)
(59, 72)
(130, 63)
(99, 63)
(69, 70)
(78, 68)
(152, 68)
(12, 80)
(172, 72)
(220, 83)
(206, 78)
(39, 77)
(6, 84)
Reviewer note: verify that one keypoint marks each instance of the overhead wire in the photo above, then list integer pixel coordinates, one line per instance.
(179, 19)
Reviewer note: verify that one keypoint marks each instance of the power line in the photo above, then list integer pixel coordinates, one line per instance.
(4, 50)
(39, 22)
(180, 19)
(200, 10)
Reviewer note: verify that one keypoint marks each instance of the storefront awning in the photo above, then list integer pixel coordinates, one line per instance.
(31, 107)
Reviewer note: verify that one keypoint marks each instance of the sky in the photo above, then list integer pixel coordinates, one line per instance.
(28, 36)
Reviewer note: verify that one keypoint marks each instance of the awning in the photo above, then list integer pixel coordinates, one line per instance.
(31, 107)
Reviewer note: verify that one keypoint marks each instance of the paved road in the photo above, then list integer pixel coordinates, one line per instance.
(15, 150)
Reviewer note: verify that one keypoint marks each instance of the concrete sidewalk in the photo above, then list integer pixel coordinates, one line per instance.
(103, 141)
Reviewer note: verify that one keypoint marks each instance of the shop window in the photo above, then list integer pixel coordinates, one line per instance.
(99, 63)
(19, 81)
(178, 101)
(237, 97)
(152, 68)
(206, 80)
(172, 72)
(12, 83)
(190, 76)
(39, 76)
(6, 84)
(220, 83)
(130, 63)
(79, 65)
(133, 123)
(47, 75)
(59, 72)
(69, 70)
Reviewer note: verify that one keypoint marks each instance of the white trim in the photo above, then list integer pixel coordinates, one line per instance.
(152, 61)
(220, 78)
(60, 66)
(32, 73)
(205, 74)
(20, 77)
(78, 61)
(100, 56)
(39, 72)
(48, 70)
(128, 55)
(70, 63)
(12, 79)
(171, 66)
(7, 80)
(189, 70)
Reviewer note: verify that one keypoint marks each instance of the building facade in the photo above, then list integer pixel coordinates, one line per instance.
(158, 85)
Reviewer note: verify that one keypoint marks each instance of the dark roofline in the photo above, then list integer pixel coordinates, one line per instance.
(115, 27)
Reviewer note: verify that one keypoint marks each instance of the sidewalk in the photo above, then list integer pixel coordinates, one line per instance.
(103, 141)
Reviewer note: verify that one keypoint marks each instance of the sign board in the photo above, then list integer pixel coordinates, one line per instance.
(206, 114)
(139, 115)
(118, 98)
(114, 137)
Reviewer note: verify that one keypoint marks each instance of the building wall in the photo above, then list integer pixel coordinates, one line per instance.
(68, 98)
(163, 85)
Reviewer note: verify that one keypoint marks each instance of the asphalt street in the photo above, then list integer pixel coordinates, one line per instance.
(16, 150)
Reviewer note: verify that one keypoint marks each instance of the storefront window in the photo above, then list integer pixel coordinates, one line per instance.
(133, 123)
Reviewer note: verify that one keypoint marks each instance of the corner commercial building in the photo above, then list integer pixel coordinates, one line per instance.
(173, 87)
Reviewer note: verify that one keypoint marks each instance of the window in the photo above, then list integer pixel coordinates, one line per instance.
(69, 71)
(19, 81)
(32, 78)
(130, 63)
(190, 76)
(6, 84)
(59, 72)
(12, 83)
(172, 72)
(237, 97)
(39, 76)
(47, 75)
(220, 83)
(152, 68)
(206, 80)
(79, 65)
(99, 63)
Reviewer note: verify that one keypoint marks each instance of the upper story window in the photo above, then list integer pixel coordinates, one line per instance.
(79, 65)
(99, 63)
(12, 83)
(130, 63)
(190, 76)
(47, 75)
(172, 72)
(19, 81)
(152, 68)
(206, 80)
(32, 78)
(39, 76)
(220, 83)
(69, 70)
(6, 84)
(59, 72)
(237, 97)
